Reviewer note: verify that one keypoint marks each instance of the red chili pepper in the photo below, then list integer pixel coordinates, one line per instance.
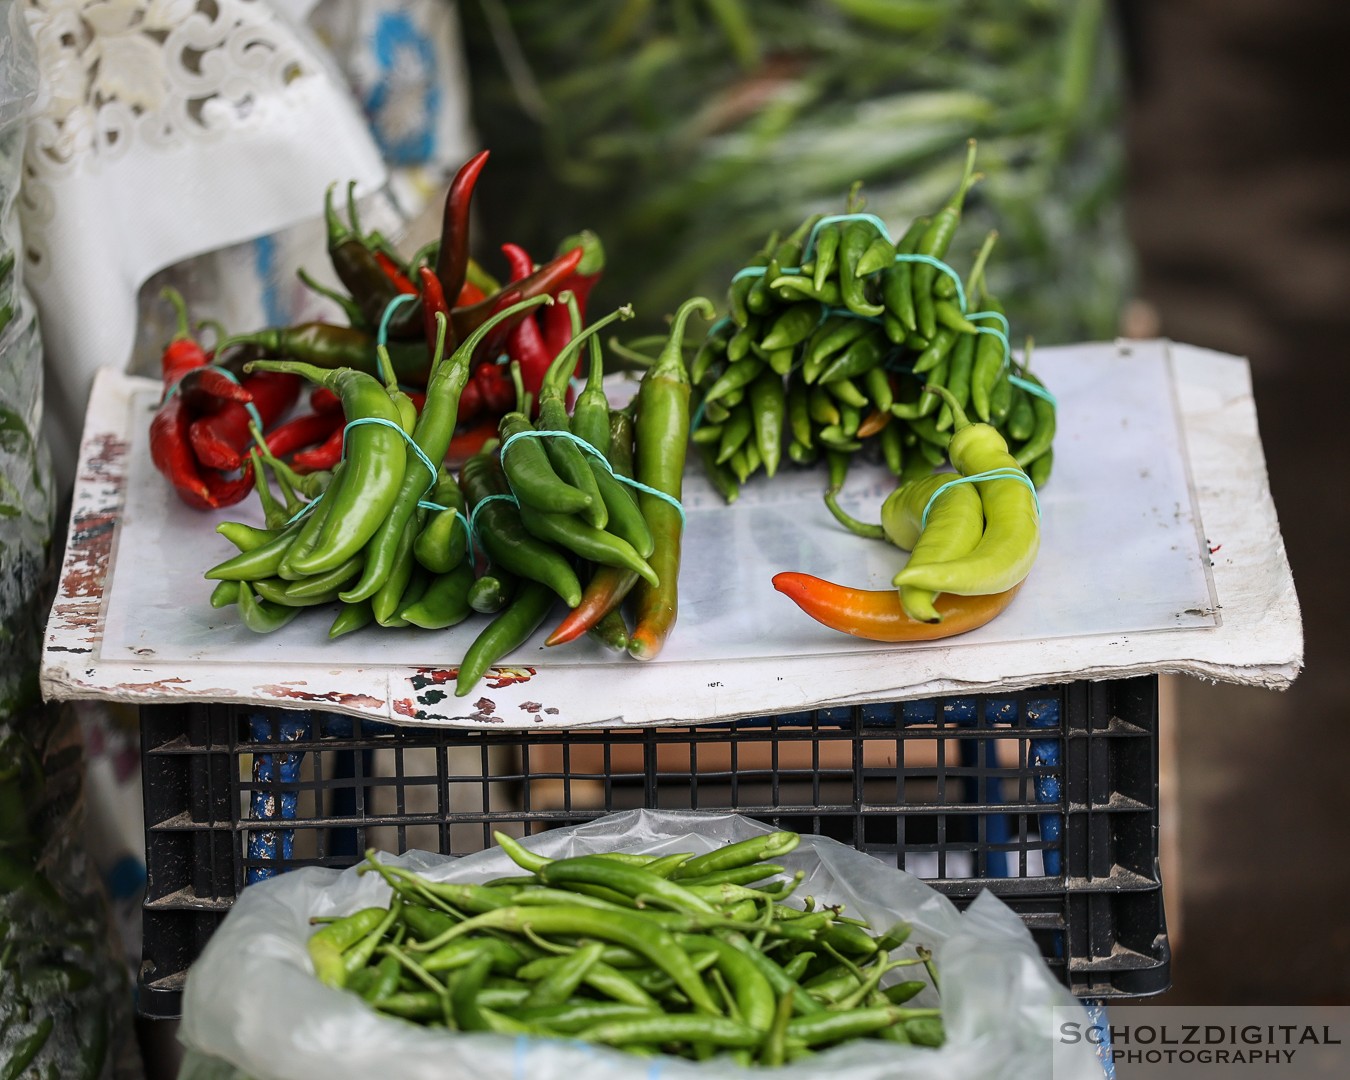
(221, 440)
(433, 304)
(226, 490)
(452, 260)
(172, 455)
(497, 393)
(470, 294)
(324, 456)
(395, 274)
(206, 389)
(469, 440)
(301, 432)
(556, 320)
(183, 352)
(525, 343)
(323, 400)
(877, 615)
(548, 279)
(470, 403)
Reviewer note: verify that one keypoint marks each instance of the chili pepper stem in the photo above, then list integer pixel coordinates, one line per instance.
(852, 524)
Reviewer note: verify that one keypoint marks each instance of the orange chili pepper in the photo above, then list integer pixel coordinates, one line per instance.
(877, 615)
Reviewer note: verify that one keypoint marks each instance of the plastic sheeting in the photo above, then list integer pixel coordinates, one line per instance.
(253, 1008)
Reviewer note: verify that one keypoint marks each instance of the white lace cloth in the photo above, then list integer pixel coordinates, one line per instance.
(165, 129)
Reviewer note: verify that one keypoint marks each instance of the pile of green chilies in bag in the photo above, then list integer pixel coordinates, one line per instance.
(834, 339)
(699, 956)
(581, 507)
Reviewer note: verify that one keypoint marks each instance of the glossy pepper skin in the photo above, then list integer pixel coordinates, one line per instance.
(877, 614)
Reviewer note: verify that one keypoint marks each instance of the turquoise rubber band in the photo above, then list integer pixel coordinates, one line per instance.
(422, 454)
(997, 315)
(944, 268)
(382, 335)
(588, 448)
(830, 219)
(431, 468)
(1035, 389)
(975, 478)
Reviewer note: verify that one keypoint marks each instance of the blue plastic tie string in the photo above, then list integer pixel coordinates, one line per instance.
(588, 448)
(975, 478)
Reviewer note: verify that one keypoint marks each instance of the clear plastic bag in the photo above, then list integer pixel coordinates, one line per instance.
(252, 1007)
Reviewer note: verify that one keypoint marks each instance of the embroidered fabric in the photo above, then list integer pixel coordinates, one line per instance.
(165, 130)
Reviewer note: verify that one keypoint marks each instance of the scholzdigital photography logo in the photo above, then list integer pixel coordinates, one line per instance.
(1142, 1042)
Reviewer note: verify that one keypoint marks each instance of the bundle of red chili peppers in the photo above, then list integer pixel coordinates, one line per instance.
(205, 427)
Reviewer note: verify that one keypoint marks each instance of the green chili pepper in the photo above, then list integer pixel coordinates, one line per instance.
(736, 377)
(262, 616)
(865, 354)
(492, 589)
(1039, 469)
(737, 428)
(442, 543)
(834, 1027)
(224, 594)
(662, 439)
(792, 326)
(636, 933)
(1021, 418)
(856, 238)
(567, 1019)
(582, 539)
(880, 253)
(677, 1027)
(768, 409)
(560, 983)
(351, 617)
(897, 289)
(256, 561)
(509, 630)
(385, 601)
(1043, 433)
(935, 241)
(847, 393)
(958, 377)
(712, 349)
(778, 979)
(824, 255)
(989, 365)
(246, 537)
(533, 479)
(445, 602)
(742, 853)
(504, 537)
(327, 945)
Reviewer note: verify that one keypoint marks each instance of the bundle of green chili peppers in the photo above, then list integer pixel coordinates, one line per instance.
(557, 499)
(834, 339)
(698, 956)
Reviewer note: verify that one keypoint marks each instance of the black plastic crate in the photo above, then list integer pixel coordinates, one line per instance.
(1046, 797)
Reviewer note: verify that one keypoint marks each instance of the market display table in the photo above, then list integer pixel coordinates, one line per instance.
(1161, 553)
(1021, 757)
